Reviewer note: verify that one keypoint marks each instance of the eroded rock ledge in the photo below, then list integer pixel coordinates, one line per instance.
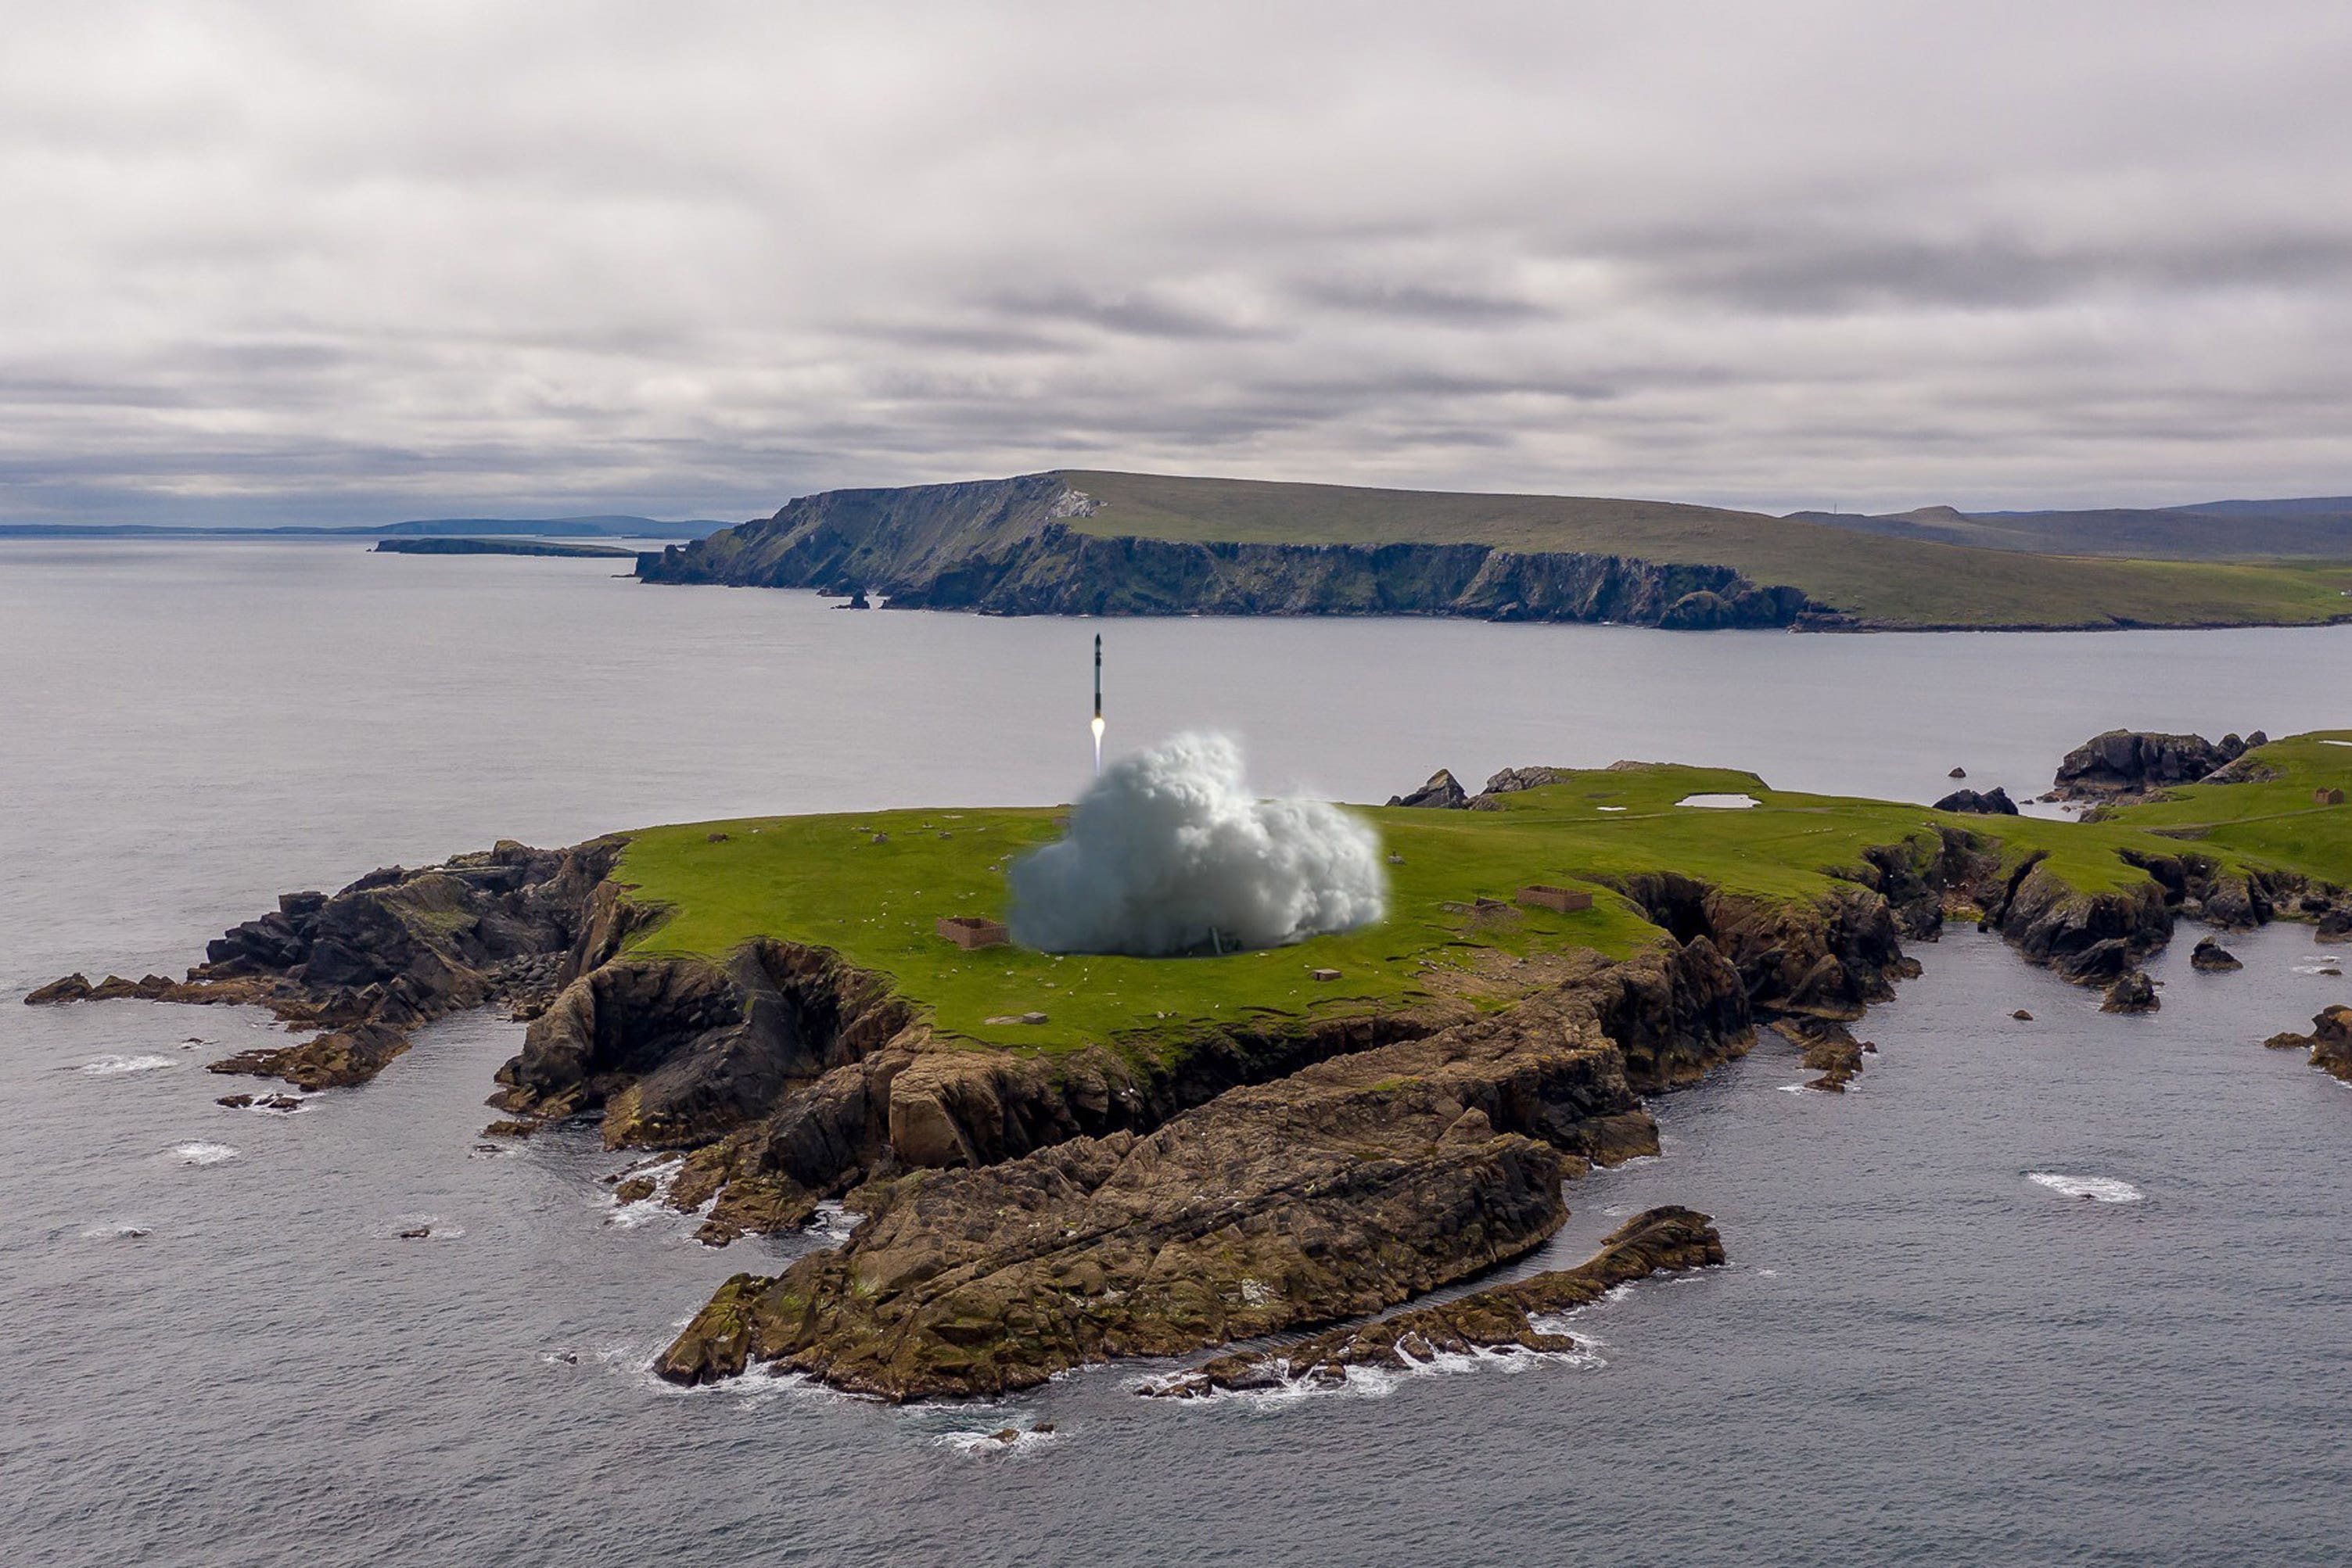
(394, 950)
(1346, 1188)
(1670, 1239)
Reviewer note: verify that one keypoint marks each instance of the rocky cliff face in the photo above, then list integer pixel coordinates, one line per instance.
(394, 950)
(2124, 764)
(1344, 1187)
(1004, 547)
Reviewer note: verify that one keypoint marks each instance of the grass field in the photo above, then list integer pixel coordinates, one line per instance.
(2275, 821)
(1883, 580)
(826, 882)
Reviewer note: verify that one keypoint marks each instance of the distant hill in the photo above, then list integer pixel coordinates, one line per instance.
(2314, 527)
(1088, 542)
(601, 527)
(441, 545)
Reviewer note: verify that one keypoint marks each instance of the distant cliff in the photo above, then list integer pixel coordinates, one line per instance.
(494, 547)
(1008, 547)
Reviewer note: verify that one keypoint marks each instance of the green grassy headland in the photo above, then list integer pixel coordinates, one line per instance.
(824, 881)
(1883, 580)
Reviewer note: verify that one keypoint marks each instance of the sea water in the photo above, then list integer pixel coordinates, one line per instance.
(1943, 1336)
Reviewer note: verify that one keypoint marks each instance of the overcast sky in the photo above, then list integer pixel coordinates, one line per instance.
(353, 263)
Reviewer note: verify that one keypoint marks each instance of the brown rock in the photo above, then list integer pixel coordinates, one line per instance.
(1350, 1185)
(72, 988)
(2212, 958)
(2135, 993)
(1668, 1240)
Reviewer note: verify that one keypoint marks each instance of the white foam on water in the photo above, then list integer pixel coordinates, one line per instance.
(1720, 802)
(114, 1232)
(2099, 1190)
(1023, 1441)
(832, 1223)
(655, 1205)
(1381, 1381)
(202, 1154)
(116, 1066)
(2318, 964)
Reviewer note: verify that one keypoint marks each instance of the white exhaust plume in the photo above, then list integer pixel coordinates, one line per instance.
(1167, 853)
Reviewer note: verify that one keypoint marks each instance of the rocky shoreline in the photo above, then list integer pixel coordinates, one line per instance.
(1007, 548)
(1027, 1213)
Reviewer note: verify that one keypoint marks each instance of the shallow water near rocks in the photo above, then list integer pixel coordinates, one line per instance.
(1918, 1349)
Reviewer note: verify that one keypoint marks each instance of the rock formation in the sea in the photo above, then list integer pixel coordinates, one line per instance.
(1008, 547)
(2125, 764)
(2134, 993)
(1830, 1050)
(1348, 1187)
(1992, 802)
(1443, 791)
(2212, 958)
(1500, 1318)
(362, 968)
(2329, 1042)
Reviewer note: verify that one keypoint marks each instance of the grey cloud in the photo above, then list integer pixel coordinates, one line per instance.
(1419, 302)
(363, 264)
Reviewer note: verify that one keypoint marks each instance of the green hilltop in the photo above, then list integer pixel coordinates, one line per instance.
(1880, 581)
(871, 886)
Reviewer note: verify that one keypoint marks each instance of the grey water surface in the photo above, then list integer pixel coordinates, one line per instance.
(222, 1350)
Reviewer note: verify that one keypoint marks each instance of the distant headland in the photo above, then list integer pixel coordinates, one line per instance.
(1083, 542)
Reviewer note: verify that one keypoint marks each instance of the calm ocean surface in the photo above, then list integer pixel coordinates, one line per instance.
(1919, 1351)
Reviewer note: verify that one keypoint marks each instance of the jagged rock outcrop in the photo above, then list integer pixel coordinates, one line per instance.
(2329, 1042)
(391, 952)
(2126, 763)
(1006, 546)
(791, 1076)
(1443, 791)
(1828, 959)
(2134, 993)
(2090, 938)
(1668, 1239)
(1345, 1187)
(2212, 958)
(1992, 802)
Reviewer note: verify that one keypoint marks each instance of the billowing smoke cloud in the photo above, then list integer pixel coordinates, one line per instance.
(1167, 853)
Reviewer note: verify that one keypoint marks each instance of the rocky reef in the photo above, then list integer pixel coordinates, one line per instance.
(1501, 1318)
(362, 968)
(1007, 547)
(2329, 1042)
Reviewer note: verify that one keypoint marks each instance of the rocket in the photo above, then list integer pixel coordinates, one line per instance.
(1099, 718)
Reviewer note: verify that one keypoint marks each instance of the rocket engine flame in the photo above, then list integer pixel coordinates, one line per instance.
(1098, 728)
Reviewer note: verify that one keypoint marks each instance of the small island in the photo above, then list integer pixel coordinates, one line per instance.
(497, 547)
(1064, 1159)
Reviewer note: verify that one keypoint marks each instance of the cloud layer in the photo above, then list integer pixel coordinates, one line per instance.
(1168, 852)
(278, 261)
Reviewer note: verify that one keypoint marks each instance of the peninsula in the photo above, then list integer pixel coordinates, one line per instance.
(1085, 542)
(1063, 1159)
